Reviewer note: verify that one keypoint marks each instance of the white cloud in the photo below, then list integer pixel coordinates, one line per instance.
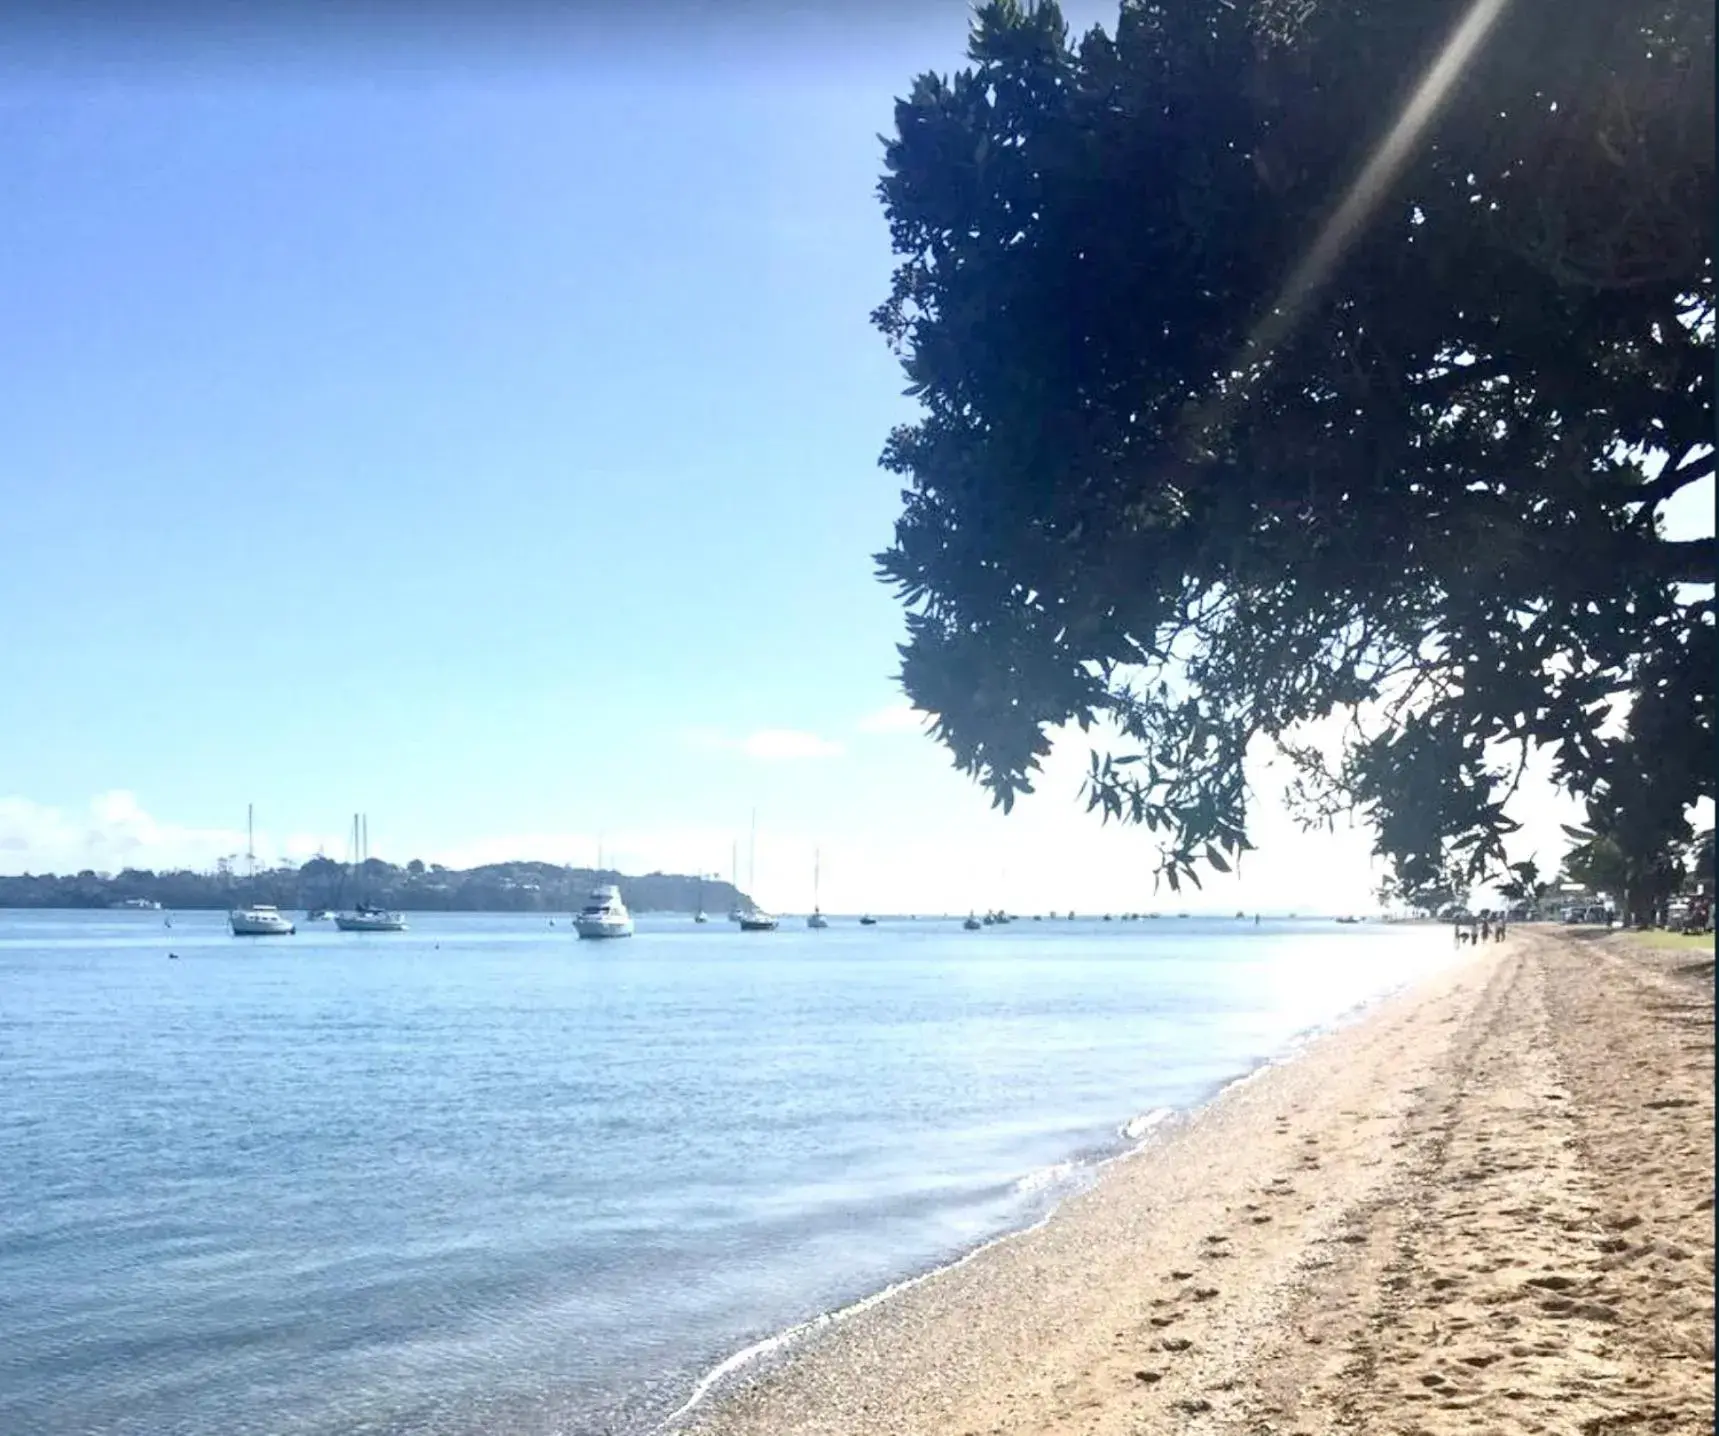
(767, 745)
(897, 718)
(115, 831)
(787, 744)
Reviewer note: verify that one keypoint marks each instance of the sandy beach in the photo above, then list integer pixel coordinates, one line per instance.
(1485, 1207)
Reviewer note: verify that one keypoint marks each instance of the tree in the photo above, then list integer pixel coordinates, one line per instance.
(1523, 885)
(1218, 438)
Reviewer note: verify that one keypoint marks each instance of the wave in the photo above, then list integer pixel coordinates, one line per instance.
(1133, 1131)
(1037, 1181)
(1137, 1127)
(747, 1355)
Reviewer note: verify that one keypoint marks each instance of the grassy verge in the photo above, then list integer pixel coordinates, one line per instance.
(1658, 937)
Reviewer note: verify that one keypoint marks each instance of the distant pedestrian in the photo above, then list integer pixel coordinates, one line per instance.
(1486, 929)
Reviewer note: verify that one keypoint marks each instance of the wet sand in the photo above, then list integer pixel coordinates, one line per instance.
(1486, 1207)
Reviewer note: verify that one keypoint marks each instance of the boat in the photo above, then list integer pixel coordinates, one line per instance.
(137, 904)
(972, 924)
(319, 914)
(817, 921)
(361, 916)
(752, 918)
(605, 915)
(699, 916)
(734, 880)
(260, 919)
(868, 921)
(364, 918)
(256, 919)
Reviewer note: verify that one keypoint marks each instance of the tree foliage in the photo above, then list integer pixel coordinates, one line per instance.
(321, 882)
(1218, 438)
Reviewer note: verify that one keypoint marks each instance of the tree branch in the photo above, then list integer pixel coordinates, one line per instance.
(1670, 480)
(1688, 560)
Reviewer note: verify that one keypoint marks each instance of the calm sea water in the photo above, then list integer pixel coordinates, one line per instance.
(481, 1177)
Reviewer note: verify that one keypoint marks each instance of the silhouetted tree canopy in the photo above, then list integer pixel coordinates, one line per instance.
(1243, 405)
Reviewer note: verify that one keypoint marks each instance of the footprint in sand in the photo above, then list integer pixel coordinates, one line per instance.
(1205, 1293)
(1180, 1275)
(1175, 1343)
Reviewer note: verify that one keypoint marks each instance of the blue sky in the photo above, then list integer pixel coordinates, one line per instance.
(483, 435)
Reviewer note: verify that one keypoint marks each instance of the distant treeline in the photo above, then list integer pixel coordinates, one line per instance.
(416, 887)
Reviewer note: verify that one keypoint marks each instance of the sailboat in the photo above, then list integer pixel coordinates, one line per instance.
(752, 918)
(972, 924)
(256, 919)
(699, 915)
(362, 917)
(816, 920)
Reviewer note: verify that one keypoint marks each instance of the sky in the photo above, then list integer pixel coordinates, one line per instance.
(476, 426)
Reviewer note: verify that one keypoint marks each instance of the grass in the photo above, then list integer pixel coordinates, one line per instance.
(1659, 937)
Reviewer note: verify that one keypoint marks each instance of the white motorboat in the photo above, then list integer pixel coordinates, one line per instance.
(259, 919)
(605, 915)
(370, 919)
(752, 920)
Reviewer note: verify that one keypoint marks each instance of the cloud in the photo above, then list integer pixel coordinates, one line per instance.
(897, 718)
(787, 745)
(113, 831)
(768, 745)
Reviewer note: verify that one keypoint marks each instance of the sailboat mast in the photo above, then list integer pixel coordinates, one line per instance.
(752, 858)
(251, 841)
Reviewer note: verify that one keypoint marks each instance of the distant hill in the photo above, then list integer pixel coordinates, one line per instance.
(416, 887)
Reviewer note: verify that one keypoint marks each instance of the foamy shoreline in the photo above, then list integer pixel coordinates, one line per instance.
(1170, 1285)
(1141, 1133)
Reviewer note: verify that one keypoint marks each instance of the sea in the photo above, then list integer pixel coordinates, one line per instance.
(483, 1177)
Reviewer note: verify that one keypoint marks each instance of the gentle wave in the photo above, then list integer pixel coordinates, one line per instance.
(1137, 1127)
(748, 1355)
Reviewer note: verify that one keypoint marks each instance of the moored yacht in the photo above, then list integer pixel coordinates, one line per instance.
(605, 915)
(817, 921)
(362, 917)
(256, 919)
(259, 919)
(365, 918)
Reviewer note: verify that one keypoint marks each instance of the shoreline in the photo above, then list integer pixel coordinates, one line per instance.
(1237, 1276)
(1138, 1136)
